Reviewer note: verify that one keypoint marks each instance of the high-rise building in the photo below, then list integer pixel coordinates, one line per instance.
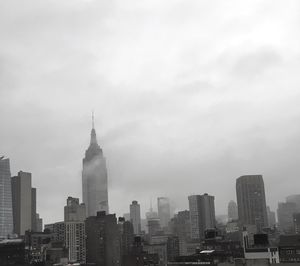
(232, 211)
(164, 212)
(6, 211)
(102, 240)
(75, 214)
(33, 210)
(202, 214)
(24, 200)
(181, 227)
(271, 217)
(135, 217)
(251, 201)
(39, 223)
(94, 178)
(285, 213)
(74, 211)
(294, 199)
(75, 241)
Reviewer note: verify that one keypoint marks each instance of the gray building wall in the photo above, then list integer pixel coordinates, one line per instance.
(6, 210)
(22, 202)
(74, 211)
(202, 214)
(251, 201)
(135, 217)
(33, 210)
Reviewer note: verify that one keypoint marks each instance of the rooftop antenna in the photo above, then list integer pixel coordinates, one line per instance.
(93, 120)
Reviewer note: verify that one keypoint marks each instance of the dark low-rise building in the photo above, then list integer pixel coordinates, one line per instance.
(289, 248)
(12, 252)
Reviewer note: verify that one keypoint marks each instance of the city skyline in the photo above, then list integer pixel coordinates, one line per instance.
(197, 94)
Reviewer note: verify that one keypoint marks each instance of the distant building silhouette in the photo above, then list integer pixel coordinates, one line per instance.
(285, 214)
(164, 212)
(232, 211)
(271, 217)
(94, 178)
(294, 199)
(202, 214)
(251, 201)
(24, 203)
(135, 217)
(6, 210)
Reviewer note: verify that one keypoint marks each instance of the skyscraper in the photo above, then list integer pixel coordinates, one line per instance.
(251, 201)
(232, 211)
(285, 213)
(23, 198)
(6, 211)
(135, 217)
(94, 178)
(202, 214)
(163, 207)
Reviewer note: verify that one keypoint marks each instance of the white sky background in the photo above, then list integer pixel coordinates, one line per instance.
(188, 96)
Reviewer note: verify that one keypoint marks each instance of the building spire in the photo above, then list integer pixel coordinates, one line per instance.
(93, 132)
(93, 120)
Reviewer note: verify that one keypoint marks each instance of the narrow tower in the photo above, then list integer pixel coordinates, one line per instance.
(94, 177)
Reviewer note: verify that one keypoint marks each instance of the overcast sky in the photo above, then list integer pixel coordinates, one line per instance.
(188, 96)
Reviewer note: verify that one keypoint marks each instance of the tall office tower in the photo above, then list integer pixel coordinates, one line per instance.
(75, 241)
(295, 199)
(23, 201)
(126, 236)
(285, 213)
(164, 213)
(135, 217)
(102, 240)
(251, 201)
(39, 223)
(74, 211)
(202, 214)
(33, 210)
(94, 178)
(271, 217)
(232, 211)
(296, 218)
(181, 227)
(6, 211)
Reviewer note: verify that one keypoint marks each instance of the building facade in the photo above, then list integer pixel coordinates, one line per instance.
(75, 241)
(164, 211)
(202, 214)
(251, 201)
(135, 217)
(6, 210)
(94, 178)
(102, 240)
(232, 211)
(285, 214)
(24, 203)
(74, 211)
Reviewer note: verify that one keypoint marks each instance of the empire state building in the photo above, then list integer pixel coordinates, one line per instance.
(94, 178)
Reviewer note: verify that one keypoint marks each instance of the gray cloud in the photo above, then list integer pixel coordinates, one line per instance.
(188, 95)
